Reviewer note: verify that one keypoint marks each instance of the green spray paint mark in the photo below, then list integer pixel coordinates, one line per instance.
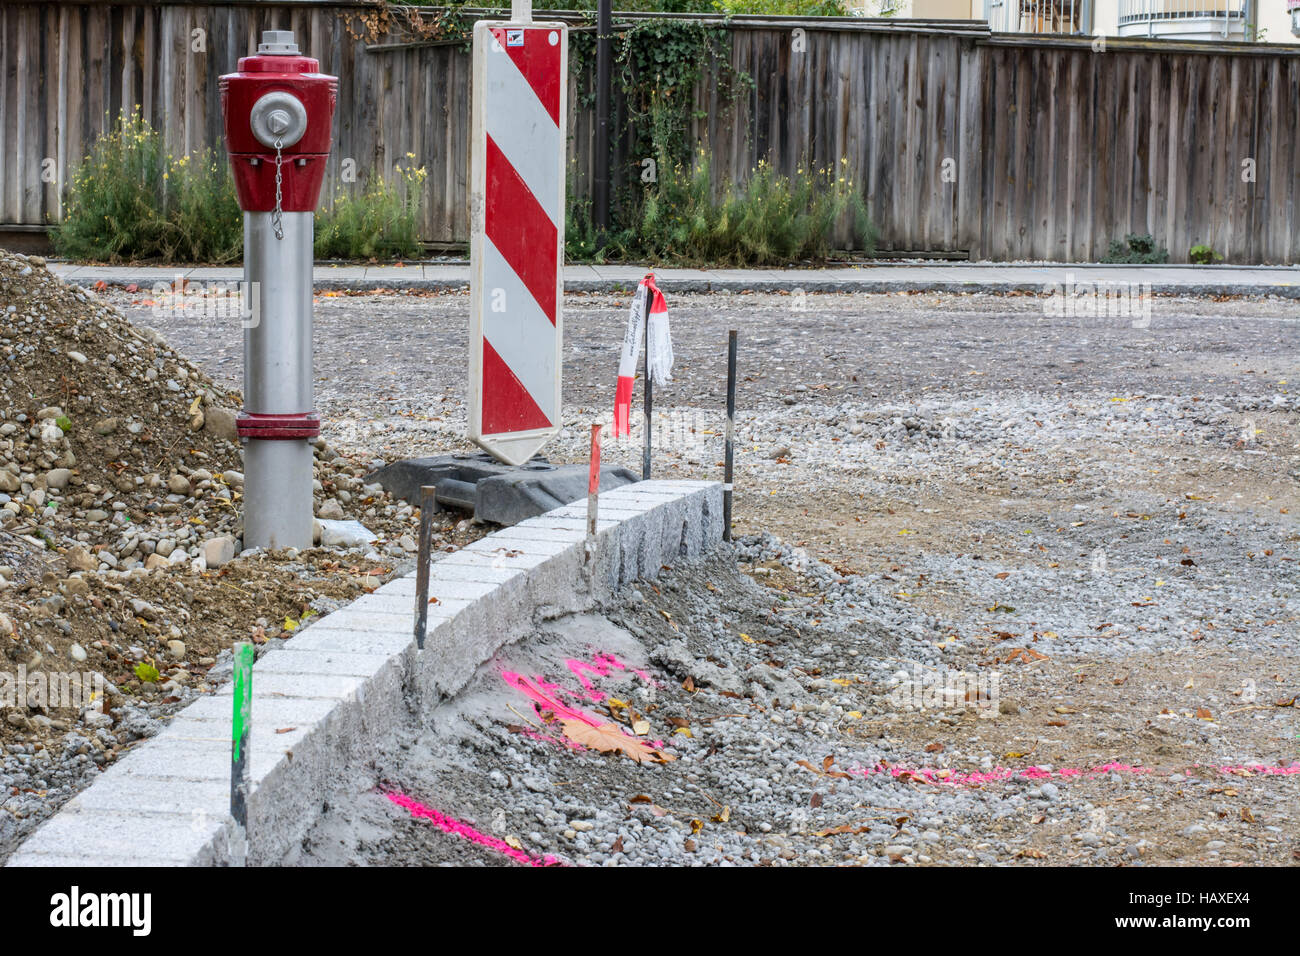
(244, 656)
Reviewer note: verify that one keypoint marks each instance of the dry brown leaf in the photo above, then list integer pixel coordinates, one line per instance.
(846, 828)
(610, 738)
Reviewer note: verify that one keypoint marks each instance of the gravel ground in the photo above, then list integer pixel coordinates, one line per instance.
(1096, 520)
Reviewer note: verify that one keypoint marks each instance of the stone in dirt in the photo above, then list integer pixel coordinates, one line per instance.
(346, 534)
(220, 423)
(330, 510)
(218, 551)
(79, 559)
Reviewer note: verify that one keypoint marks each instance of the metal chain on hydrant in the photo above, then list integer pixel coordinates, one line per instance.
(276, 222)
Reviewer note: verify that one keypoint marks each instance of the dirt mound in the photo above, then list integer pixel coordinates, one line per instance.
(100, 422)
(120, 538)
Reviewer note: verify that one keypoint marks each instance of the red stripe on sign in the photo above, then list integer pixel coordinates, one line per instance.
(507, 406)
(539, 62)
(520, 229)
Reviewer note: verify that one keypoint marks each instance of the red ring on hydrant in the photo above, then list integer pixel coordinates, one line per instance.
(277, 427)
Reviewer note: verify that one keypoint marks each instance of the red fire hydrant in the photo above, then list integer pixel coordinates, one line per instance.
(278, 111)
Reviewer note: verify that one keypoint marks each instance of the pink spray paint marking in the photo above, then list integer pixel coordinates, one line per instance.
(540, 693)
(546, 695)
(463, 830)
(979, 778)
(600, 665)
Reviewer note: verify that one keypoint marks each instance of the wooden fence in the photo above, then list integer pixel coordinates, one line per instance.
(1001, 146)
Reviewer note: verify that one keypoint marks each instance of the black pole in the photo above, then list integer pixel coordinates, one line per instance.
(428, 505)
(731, 434)
(600, 171)
(649, 389)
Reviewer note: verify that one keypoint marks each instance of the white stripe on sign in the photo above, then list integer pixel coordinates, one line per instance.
(524, 132)
(522, 335)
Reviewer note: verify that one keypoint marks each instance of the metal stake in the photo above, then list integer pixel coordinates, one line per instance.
(427, 507)
(649, 390)
(731, 434)
(240, 758)
(593, 487)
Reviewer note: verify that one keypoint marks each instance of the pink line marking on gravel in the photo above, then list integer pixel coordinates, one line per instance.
(463, 830)
(978, 778)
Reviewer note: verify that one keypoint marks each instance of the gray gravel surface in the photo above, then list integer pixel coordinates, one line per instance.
(929, 488)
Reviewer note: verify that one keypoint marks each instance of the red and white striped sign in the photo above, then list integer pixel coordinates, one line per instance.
(517, 239)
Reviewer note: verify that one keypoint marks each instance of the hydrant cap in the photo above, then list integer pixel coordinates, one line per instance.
(277, 43)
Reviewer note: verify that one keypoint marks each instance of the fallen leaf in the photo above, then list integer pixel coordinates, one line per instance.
(608, 738)
(723, 815)
(846, 828)
(816, 801)
(641, 728)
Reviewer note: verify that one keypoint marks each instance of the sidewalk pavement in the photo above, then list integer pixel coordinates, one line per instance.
(911, 277)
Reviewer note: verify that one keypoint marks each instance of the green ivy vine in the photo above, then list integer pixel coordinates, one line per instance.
(656, 66)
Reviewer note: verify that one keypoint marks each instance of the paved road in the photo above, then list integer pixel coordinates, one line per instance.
(910, 277)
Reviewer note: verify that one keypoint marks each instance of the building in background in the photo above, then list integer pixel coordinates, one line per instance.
(1265, 21)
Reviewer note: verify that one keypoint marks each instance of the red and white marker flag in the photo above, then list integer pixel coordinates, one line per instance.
(517, 236)
(659, 357)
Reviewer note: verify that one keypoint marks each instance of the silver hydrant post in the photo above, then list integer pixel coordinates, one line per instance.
(278, 111)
